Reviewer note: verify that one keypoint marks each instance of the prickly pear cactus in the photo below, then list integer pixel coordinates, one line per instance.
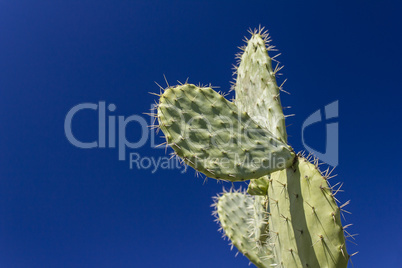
(289, 216)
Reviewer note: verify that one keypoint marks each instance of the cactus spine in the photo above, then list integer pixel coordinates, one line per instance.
(289, 218)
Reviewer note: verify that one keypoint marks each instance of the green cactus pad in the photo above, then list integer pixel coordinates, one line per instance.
(305, 224)
(234, 211)
(256, 89)
(211, 135)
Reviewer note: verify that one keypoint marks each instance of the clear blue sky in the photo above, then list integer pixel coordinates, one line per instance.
(61, 206)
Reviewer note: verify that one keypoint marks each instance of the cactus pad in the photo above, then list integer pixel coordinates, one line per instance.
(211, 135)
(234, 211)
(305, 224)
(256, 89)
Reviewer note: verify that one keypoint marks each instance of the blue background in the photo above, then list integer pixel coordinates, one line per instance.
(61, 206)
